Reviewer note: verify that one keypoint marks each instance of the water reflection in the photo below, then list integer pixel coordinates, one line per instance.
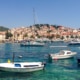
(66, 69)
(14, 76)
(66, 63)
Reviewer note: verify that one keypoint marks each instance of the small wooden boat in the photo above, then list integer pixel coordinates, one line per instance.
(63, 54)
(21, 66)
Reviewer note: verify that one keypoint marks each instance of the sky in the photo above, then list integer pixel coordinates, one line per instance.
(18, 13)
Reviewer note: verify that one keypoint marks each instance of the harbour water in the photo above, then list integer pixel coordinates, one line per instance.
(66, 69)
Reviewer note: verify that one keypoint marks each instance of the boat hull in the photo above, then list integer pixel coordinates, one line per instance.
(21, 69)
(24, 67)
(74, 44)
(61, 56)
(32, 44)
(26, 45)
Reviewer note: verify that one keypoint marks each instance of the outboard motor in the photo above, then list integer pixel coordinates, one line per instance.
(44, 63)
(49, 58)
(78, 62)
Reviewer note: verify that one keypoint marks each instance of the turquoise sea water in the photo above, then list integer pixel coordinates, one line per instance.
(57, 70)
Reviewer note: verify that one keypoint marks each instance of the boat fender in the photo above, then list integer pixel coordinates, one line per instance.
(44, 63)
(55, 59)
(49, 58)
(19, 56)
(9, 61)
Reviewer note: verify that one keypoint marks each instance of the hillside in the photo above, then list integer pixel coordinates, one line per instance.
(2, 28)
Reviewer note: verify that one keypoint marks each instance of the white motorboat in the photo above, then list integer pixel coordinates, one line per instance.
(21, 66)
(63, 54)
(74, 42)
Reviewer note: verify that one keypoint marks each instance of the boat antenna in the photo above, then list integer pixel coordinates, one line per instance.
(34, 15)
(13, 57)
(35, 18)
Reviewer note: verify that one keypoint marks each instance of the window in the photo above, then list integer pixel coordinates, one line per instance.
(17, 65)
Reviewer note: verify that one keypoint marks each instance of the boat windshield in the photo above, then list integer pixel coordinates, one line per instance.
(68, 52)
(61, 53)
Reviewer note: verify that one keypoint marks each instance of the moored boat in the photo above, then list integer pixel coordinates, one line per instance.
(74, 42)
(21, 66)
(63, 54)
(32, 44)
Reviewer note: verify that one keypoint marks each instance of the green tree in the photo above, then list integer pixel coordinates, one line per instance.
(76, 36)
(72, 36)
(32, 36)
(51, 36)
(25, 35)
(67, 36)
(62, 37)
(57, 36)
(8, 34)
(49, 31)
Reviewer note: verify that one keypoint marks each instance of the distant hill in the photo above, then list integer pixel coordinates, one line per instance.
(2, 28)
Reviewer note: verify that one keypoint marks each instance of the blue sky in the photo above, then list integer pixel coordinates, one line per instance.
(17, 13)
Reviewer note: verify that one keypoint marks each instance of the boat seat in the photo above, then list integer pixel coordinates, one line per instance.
(17, 65)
